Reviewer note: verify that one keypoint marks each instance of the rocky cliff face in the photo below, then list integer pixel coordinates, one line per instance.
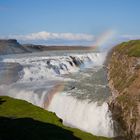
(124, 81)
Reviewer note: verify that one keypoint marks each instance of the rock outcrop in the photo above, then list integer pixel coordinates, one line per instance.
(124, 82)
(11, 46)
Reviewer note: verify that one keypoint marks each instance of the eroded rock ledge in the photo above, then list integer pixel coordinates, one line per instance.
(124, 82)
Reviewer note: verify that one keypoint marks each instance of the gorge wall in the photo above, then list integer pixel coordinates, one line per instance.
(124, 82)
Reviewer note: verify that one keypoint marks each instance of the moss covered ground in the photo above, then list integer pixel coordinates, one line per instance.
(131, 48)
(20, 120)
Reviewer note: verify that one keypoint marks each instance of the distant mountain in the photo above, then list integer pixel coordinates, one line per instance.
(52, 47)
(11, 46)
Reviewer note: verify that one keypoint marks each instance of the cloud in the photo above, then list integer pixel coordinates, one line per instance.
(52, 36)
(130, 37)
(44, 37)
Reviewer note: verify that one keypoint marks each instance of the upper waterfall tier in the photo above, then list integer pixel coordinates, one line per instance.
(42, 67)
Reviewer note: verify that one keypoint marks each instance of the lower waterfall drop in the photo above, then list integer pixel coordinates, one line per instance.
(89, 117)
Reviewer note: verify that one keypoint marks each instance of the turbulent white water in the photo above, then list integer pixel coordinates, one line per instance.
(87, 116)
(42, 67)
(78, 105)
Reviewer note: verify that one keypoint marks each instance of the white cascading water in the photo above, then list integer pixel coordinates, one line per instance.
(41, 68)
(41, 73)
(87, 116)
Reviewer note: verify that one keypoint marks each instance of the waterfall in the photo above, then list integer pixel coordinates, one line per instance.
(39, 75)
(41, 68)
(88, 116)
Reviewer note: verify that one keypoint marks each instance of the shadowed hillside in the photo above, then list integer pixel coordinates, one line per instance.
(29, 129)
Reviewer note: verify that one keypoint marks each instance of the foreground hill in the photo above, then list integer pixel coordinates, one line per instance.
(20, 120)
(124, 81)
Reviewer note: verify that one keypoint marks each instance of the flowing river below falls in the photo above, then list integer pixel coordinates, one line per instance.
(73, 86)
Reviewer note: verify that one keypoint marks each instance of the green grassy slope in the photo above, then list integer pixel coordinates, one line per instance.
(130, 48)
(21, 120)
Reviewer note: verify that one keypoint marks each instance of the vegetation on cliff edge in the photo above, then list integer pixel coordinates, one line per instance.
(130, 48)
